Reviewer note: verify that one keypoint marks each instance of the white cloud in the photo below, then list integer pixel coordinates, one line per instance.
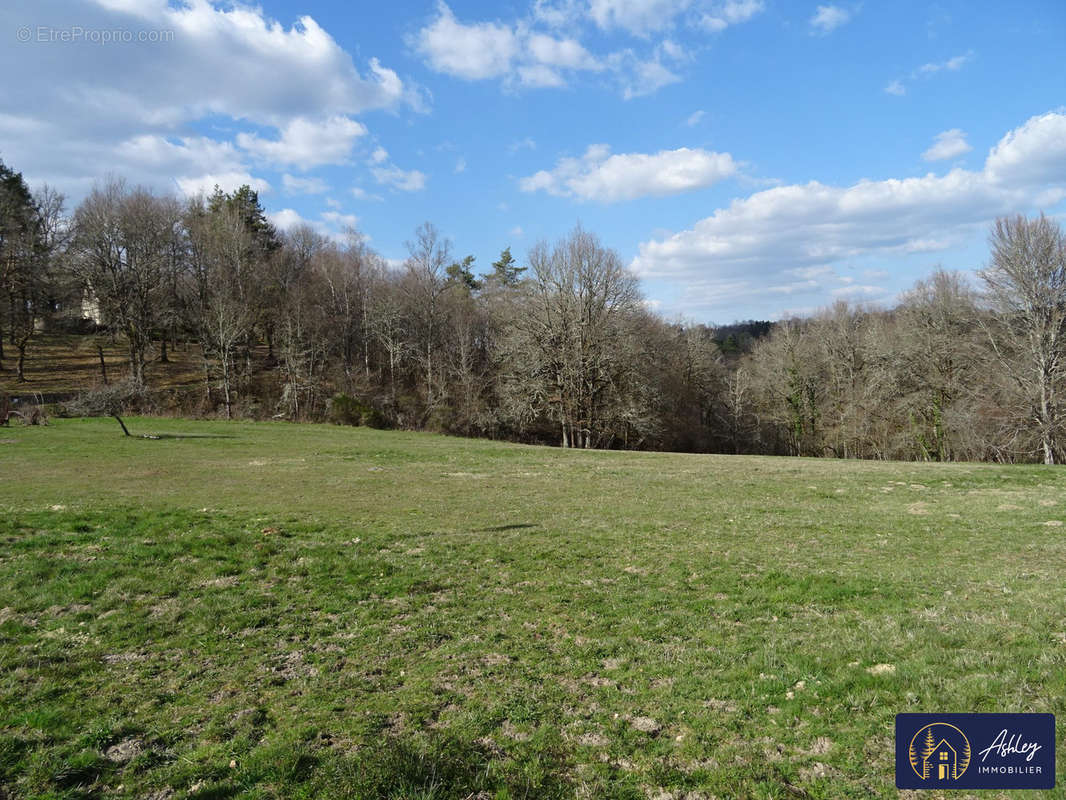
(647, 78)
(557, 13)
(522, 144)
(951, 65)
(232, 61)
(341, 220)
(517, 231)
(773, 233)
(645, 17)
(601, 177)
(460, 165)
(388, 174)
(521, 56)
(331, 224)
(948, 144)
(226, 181)
(695, 118)
(403, 180)
(472, 51)
(294, 185)
(898, 87)
(229, 63)
(636, 16)
(286, 219)
(305, 143)
(486, 50)
(732, 12)
(540, 76)
(1035, 153)
(828, 18)
(565, 53)
(362, 194)
(195, 164)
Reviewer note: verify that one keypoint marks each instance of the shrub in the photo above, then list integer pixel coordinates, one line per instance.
(346, 410)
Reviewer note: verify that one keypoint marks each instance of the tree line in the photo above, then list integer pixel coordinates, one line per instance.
(560, 349)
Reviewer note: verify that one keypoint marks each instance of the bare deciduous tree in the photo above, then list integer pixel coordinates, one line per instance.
(1025, 283)
(123, 247)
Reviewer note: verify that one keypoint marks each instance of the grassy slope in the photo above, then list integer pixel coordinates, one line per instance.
(346, 612)
(60, 363)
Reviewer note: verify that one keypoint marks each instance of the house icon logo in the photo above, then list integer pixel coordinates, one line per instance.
(939, 752)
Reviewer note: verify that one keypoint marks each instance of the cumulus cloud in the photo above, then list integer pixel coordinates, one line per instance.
(1033, 154)
(719, 16)
(306, 143)
(777, 233)
(402, 180)
(195, 164)
(520, 55)
(331, 224)
(229, 63)
(828, 18)
(286, 219)
(206, 183)
(232, 61)
(636, 16)
(487, 50)
(948, 144)
(474, 51)
(557, 13)
(645, 17)
(601, 177)
(648, 77)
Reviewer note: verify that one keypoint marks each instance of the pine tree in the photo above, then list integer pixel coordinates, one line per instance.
(506, 271)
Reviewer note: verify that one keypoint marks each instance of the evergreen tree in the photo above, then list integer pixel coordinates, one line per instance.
(460, 273)
(506, 271)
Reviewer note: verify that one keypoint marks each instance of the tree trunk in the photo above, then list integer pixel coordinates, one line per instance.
(225, 387)
(103, 364)
(125, 430)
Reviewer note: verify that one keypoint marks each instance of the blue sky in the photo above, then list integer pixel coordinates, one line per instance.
(748, 158)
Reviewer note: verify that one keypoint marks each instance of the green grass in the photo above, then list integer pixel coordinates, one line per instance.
(272, 610)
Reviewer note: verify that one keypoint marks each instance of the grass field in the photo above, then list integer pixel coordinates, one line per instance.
(272, 610)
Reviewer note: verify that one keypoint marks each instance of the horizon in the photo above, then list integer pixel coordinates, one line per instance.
(748, 160)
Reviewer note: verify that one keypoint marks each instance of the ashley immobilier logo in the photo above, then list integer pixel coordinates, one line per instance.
(975, 751)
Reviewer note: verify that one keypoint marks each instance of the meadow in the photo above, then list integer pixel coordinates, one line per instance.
(265, 610)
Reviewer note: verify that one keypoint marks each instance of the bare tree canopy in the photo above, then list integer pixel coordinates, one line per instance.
(1025, 283)
(556, 348)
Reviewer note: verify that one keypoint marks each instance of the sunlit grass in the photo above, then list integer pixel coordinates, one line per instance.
(271, 610)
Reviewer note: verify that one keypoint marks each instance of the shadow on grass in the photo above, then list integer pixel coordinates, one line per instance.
(501, 528)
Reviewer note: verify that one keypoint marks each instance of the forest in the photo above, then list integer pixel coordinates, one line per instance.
(558, 348)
